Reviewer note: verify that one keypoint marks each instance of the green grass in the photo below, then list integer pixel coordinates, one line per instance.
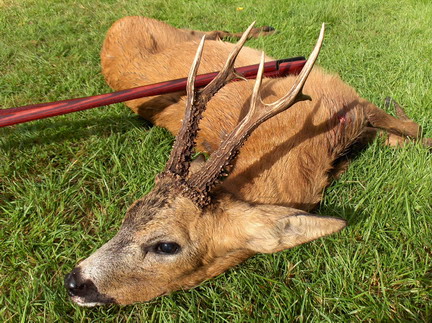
(66, 182)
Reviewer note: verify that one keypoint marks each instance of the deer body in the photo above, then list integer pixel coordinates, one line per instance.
(169, 239)
(287, 160)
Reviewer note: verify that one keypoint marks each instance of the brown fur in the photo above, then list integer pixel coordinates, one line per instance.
(309, 134)
(279, 175)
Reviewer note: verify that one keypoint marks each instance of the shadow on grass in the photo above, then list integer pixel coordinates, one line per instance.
(29, 135)
(350, 214)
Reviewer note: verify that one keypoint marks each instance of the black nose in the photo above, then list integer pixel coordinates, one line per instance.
(268, 28)
(77, 286)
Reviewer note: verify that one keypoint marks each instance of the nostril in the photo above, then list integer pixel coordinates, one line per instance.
(70, 282)
(76, 286)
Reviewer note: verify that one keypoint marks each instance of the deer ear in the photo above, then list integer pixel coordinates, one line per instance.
(286, 228)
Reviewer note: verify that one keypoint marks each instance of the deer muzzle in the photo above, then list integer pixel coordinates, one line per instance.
(83, 291)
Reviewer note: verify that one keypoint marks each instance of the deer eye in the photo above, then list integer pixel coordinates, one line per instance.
(167, 248)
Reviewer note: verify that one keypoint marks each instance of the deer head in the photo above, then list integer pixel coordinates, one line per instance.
(186, 229)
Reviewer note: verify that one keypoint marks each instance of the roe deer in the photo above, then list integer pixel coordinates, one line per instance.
(191, 226)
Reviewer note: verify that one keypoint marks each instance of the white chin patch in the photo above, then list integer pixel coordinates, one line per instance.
(81, 302)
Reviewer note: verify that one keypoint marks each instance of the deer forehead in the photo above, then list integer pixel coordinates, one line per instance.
(164, 212)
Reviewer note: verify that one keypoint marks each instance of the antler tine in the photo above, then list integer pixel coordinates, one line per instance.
(227, 73)
(296, 94)
(180, 158)
(207, 177)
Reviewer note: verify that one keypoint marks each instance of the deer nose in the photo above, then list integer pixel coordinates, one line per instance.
(268, 28)
(77, 286)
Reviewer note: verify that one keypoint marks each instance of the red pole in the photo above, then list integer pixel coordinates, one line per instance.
(27, 113)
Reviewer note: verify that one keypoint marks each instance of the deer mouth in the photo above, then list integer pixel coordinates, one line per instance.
(82, 302)
(92, 300)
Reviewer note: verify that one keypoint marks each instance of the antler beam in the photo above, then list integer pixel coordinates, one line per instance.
(180, 158)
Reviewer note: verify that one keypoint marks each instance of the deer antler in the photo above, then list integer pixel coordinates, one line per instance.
(200, 183)
(180, 158)
(204, 180)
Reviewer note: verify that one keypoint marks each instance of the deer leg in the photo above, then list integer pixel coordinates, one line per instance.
(399, 129)
(219, 34)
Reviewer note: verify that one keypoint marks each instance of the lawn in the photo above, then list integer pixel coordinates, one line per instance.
(66, 182)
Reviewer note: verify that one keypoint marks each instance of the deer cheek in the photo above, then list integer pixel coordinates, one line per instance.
(135, 294)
